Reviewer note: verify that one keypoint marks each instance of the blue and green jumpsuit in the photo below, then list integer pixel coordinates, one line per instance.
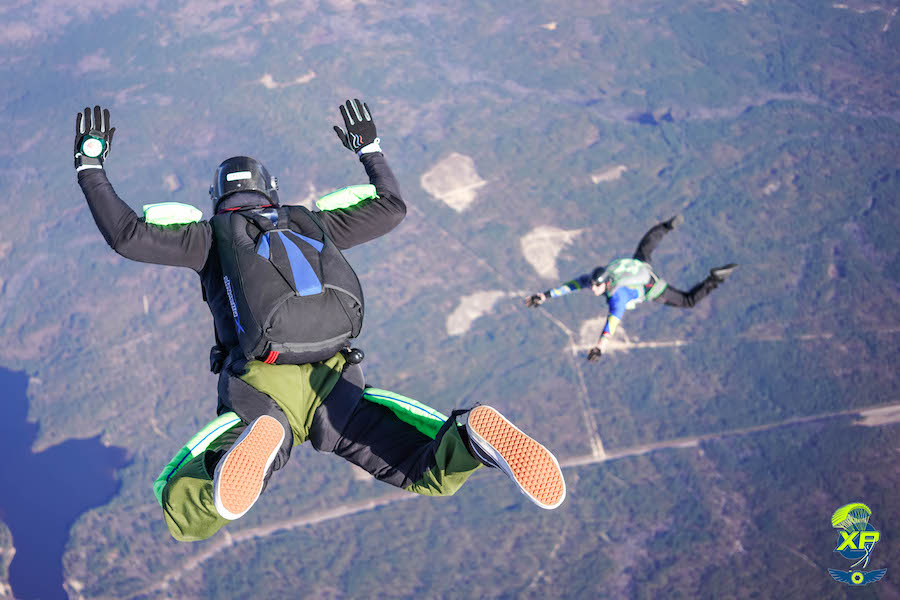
(631, 281)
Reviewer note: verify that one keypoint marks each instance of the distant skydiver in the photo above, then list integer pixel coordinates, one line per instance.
(629, 281)
(285, 304)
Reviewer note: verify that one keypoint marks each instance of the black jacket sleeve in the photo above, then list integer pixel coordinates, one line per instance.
(369, 219)
(131, 237)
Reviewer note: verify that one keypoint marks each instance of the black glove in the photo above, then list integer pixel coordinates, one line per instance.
(217, 357)
(93, 138)
(534, 301)
(360, 127)
(595, 354)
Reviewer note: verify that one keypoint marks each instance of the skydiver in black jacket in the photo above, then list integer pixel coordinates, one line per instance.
(265, 409)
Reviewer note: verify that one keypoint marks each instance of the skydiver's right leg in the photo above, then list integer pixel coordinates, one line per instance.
(395, 452)
(433, 455)
(653, 237)
(354, 425)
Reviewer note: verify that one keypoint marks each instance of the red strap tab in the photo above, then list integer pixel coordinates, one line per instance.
(273, 356)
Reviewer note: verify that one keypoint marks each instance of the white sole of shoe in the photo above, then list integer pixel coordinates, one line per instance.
(241, 473)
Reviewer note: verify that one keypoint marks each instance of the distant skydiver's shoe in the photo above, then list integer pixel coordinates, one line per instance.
(720, 274)
(241, 473)
(498, 443)
(674, 222)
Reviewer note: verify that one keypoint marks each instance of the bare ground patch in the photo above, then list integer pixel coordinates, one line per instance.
(470, 308)
(610, 174)
(542, 245)
(454, 181)
(880, 416)
(590, 331)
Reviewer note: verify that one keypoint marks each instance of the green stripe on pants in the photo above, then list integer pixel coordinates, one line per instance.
(187, 498)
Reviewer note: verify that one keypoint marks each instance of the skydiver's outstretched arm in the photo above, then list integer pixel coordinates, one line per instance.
(609, 329)
(617, 303)
(371, 217)
(579, 283)
(131, 237)
(126, 233)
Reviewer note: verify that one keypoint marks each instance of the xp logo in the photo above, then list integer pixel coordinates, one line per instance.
(857, 539)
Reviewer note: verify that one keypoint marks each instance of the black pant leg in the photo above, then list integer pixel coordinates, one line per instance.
(337, 409)
(391, 450)
(650, 241)
(249, 403)
(675, 297)
(371, 436)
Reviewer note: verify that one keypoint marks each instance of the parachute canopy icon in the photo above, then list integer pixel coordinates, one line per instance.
(851, 517)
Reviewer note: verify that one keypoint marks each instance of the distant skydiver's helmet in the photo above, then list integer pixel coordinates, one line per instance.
(242, 174)
(598, 283)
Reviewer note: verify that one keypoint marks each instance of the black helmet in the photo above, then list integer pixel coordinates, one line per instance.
(242, 174)
(597, 274)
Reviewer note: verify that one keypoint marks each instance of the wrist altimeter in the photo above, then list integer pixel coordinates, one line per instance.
(92, 146)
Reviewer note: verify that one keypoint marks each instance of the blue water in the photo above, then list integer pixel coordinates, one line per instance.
(41, 495)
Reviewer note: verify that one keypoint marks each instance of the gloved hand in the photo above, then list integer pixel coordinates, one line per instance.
(597, 351)
(360, 136)
(93, 138)
(535, 300)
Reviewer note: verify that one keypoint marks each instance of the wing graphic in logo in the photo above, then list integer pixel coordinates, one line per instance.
(857, 577)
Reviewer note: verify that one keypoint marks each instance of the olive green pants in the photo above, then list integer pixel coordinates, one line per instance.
(425, 451)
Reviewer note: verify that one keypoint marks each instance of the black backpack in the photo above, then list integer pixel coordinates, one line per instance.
(294, 297)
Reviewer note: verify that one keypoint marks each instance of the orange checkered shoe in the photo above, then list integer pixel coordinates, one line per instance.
(241, 473)
(498, 443)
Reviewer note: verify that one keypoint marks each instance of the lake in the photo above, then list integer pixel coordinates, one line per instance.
(42, 494)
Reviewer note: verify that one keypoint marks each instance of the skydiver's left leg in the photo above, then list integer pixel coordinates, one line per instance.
(223, 469)
(653, 237)
(249, 403)
(184, 489)
(217, 476)
(674, 297)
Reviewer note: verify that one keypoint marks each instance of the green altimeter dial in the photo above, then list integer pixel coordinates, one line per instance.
(92, 146)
